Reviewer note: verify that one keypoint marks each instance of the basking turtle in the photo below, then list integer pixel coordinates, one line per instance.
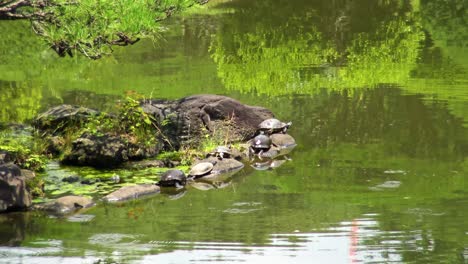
(260, 144)
(273, 125)
(220, 152)
(201, 169)
(172, 178)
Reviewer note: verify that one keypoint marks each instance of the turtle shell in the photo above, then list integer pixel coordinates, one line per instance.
(273, 125)
(201, 169)
(172, 178)
(223, 149)
(221, 152)
(261, 142)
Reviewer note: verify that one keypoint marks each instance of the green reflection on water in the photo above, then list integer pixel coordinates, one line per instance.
(302, 55)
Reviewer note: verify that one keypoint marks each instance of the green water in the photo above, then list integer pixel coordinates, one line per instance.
(378, 95)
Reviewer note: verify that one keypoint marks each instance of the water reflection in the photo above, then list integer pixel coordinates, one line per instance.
(345, 243)
(377, 94)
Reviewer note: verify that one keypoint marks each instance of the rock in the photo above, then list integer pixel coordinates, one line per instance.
(131, 192)
(283, 140)
(57, 119)
(106, 151)
(189, 119)
(28, 174)
(55, 145)
(183, 122)
(6, 156)
(224, 167)
(65, 205)
(14, 194)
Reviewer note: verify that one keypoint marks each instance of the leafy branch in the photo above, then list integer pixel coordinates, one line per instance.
(92, 27)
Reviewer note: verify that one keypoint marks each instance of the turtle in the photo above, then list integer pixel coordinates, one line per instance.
(172, 178)
(273, 125)
(260, 144)
(201, 169)
(220, 152)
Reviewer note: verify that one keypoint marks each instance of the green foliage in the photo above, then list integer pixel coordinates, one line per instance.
(93, 27)
(446, 20)
(36, 186)
(130, 121)
(133, 120)
(26, 151)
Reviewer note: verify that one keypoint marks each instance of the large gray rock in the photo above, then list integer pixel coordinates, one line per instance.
(14, 194)
(187, 120)
(183, 122)
(131, 192)
(65, 205)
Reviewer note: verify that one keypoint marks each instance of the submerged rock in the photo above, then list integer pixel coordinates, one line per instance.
(14, 194)
(65, 205)
(131, 192)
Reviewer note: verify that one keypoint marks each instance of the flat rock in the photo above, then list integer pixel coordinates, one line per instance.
(131, 192)
(65, 205)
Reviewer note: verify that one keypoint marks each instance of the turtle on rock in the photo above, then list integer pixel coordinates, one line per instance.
(220, 152)
(273, 125)
(201, 169)
(172, 178)
(261, 146)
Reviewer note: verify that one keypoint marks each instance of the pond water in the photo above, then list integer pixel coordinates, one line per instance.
(378, 95)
